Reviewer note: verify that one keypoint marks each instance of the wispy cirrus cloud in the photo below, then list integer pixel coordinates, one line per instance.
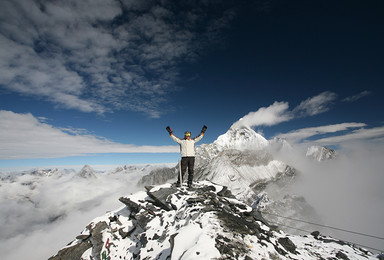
(315, 105)
(375, 133)
(304, 133)
(357, 96)
(100, 56)
(23, 136)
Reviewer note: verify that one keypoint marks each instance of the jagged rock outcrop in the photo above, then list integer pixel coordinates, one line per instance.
(205, 222)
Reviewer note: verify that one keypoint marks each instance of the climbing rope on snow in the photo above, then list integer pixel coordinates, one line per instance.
(326, 226)
(306, 231)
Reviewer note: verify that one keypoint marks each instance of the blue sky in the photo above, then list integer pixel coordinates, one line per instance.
(97, 82)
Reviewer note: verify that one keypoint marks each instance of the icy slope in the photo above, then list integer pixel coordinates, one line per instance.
(205, 222)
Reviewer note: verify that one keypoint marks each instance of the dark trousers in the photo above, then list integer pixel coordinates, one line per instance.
(187, 162)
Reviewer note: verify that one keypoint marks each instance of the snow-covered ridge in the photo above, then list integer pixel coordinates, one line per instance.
(205, 222)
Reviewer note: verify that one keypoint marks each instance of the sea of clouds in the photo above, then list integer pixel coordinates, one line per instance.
(41, 214)
(347, 192)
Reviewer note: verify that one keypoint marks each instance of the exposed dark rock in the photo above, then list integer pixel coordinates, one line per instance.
(315, 234)
(287, 244)
(143, 218)
(148, 188)
(172, 241)
(195, 200)
(341, 255)
(225, 193)
(125, 234)
(143, 240)
(331, 240)
(208, 188)
(161, 195)
(74, 252)
(237, 224)
(133, 206)
(258, 217)
(230, 249)
(115, 218)
(97, 237)
(83, 237)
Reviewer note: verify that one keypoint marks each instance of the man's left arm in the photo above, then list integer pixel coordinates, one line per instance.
(200, 136)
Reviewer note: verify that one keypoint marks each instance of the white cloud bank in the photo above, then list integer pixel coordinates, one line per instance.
(40, 214)
(25, 136)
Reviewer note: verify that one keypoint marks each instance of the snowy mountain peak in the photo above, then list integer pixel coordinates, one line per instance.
(205, 222)
(320, 153)
(87, 172)
(239, 159)
(241, 138)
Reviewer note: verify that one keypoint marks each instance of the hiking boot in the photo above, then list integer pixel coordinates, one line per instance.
(176, 184)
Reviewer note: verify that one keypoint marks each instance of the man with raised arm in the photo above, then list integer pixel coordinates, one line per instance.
(187, 151)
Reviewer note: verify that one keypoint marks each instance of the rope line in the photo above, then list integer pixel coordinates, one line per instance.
(306, 231)
(340, 229)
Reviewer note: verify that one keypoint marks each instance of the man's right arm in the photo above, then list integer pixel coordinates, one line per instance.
(174, 138)
(169, 130)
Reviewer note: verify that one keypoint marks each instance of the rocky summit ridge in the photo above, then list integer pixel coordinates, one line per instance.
(203, 222)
